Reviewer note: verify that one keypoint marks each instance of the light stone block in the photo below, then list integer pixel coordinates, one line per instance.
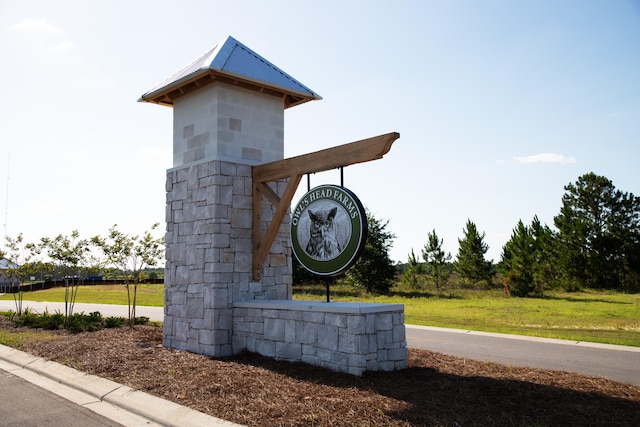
(340, 359)
(324, 355)
(356, 325)
(328, 337)
(195, 309)
(256, 328)
(384, 322)
(397, 354)
(289, 351)
(338, 320)
(205, 337)
(313, 316)
(266, 348)
(290, 327)
(309, 333)
(346, 343)
(274, 329)
(399, 333)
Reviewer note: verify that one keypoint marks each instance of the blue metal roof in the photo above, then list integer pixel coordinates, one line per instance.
(234, 60)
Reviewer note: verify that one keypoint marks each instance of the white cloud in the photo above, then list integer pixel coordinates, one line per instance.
(546, 158)
(43, 36)
(62, 47)
(29, 24)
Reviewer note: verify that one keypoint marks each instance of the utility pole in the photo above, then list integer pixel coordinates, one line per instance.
(6, 200)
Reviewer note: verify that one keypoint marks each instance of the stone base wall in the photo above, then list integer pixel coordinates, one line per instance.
(209, 255)
(343, 337)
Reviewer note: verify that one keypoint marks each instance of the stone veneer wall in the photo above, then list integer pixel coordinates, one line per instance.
(209, 255)
(343, 337)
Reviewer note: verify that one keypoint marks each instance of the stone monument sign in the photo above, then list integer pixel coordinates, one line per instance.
(228, 271)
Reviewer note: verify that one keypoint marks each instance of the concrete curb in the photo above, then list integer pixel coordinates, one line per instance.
(150, 407)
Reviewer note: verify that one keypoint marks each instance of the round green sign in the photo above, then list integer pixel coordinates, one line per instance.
(328, 230)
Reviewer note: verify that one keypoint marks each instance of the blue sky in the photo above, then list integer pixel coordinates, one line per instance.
(499, 105)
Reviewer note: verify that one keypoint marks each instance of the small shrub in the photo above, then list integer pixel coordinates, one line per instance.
(114, 322)
(78, 322)
(142, 320)
(53, 321)
(29, 318)
(85, 322)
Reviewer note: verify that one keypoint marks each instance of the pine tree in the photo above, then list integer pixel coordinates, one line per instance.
(545, 269)
(471, 266)
(599, 231)
(517, 264)
(411, 276)
(436, 259)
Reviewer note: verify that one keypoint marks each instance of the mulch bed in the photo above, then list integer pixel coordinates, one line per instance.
(435, 390)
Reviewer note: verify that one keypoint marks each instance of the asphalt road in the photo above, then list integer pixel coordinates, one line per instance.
(619, 363)
(25, 404)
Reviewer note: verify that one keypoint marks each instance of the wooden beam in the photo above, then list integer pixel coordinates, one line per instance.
(269, 193)
(261, 248)
(330, 158)
(294, 168)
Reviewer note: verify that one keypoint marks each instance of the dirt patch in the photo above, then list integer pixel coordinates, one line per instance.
(435, 390)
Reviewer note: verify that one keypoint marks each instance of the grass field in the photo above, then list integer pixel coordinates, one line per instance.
(149, 295)
(604, 317)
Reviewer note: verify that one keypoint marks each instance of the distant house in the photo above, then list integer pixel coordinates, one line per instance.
(5, 280)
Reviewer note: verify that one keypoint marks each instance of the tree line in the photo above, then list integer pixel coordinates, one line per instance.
(73, 258)
(595, 243)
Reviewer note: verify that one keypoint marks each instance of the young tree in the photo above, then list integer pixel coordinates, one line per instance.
(517, 264)
(436, 259)
(20, 265)
(545, 269)
(471, 266)
(411, 276)
(374, 270)
(599, 231)
(130, 255)
(528, 259)
(71, 258)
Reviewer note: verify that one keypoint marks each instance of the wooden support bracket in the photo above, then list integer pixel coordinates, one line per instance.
(294, 168)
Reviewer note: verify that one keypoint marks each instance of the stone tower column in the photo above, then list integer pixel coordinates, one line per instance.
(209, 216)
(228, 115)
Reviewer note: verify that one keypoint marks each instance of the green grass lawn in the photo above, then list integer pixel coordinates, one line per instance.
(604, 317)
(149, 295)
(13, 339)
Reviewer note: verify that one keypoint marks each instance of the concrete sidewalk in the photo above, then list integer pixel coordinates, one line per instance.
(111, 400)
